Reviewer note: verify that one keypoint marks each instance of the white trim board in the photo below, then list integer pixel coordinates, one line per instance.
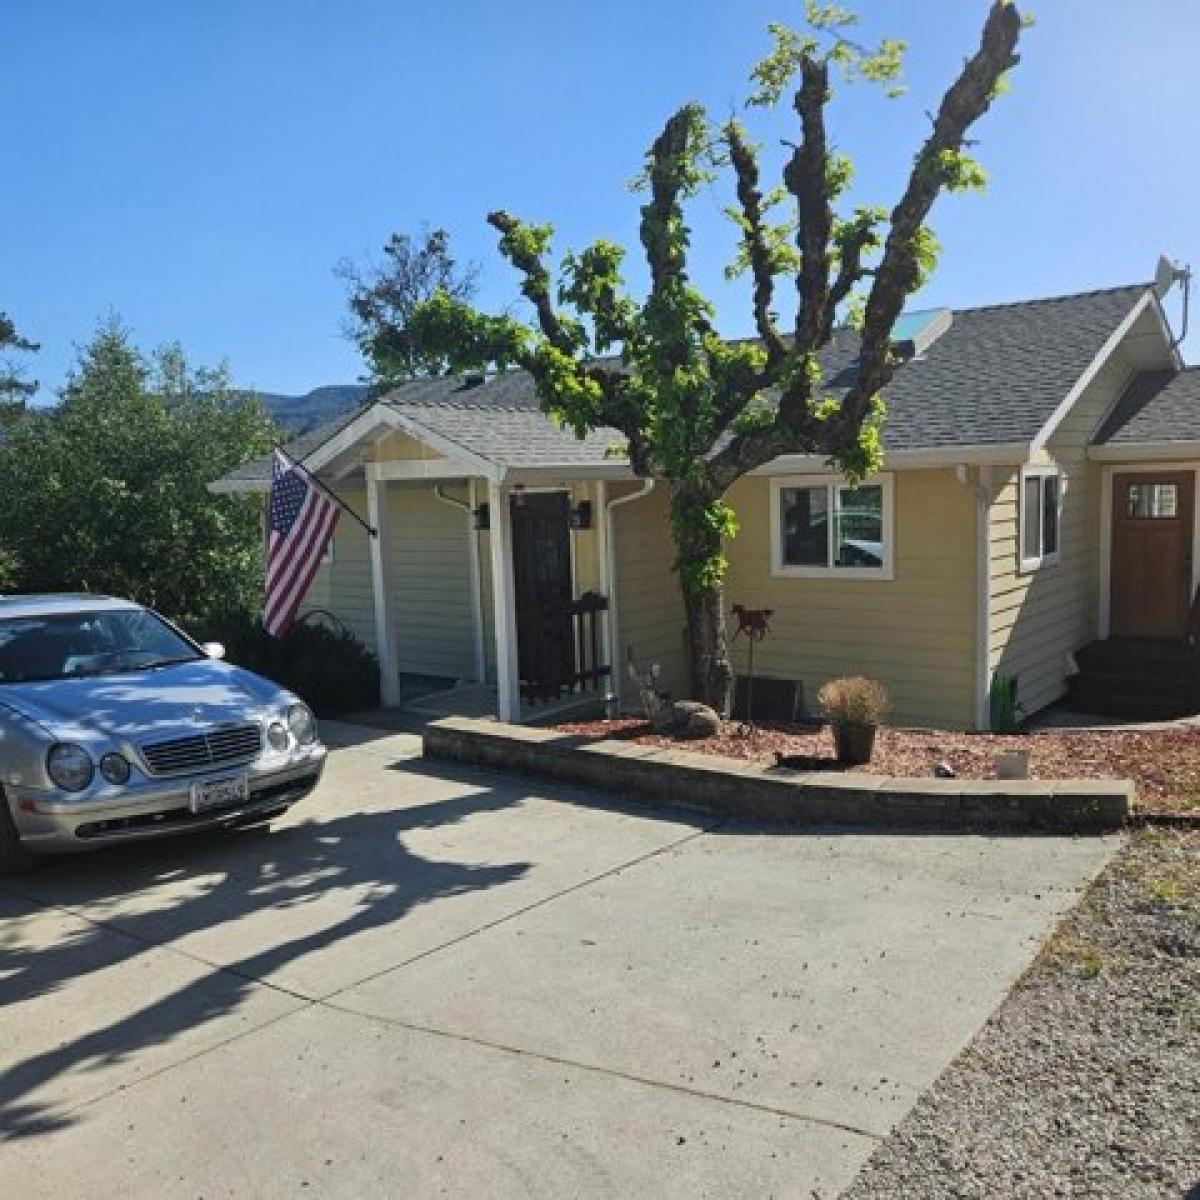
(1094, 368)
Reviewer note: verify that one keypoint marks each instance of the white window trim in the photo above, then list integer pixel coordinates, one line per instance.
(1037, 561)
(885, 481)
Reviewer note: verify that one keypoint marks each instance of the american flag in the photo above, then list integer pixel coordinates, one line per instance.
(300, 521)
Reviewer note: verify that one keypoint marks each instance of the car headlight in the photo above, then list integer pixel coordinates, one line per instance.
(277, 736)
(70, 766)
(302, 724)
(115, 768)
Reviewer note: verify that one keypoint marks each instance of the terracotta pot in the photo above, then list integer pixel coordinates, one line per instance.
(853, 742)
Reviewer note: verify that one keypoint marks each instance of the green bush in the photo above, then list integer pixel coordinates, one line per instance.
(323, 663)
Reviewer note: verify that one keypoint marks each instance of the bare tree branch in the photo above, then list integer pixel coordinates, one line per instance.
(762, 265)
(536, 286)
(806, 177)
(967, 99)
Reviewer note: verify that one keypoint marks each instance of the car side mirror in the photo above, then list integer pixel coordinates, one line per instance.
(213, 649)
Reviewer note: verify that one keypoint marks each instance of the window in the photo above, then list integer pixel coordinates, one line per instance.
(824, 526)
(1152, 501)
(1041, 515)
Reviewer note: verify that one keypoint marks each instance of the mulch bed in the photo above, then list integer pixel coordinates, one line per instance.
(1164, 764)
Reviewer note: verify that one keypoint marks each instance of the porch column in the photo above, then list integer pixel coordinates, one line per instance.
(475, 575)
(504, 605)
(379, 515)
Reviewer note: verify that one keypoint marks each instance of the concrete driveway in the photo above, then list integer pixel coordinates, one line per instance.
(437, 982)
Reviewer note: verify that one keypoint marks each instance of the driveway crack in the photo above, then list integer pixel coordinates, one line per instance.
(609, 1072)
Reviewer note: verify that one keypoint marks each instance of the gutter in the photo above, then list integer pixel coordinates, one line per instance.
(990, 454)
(1144, 451)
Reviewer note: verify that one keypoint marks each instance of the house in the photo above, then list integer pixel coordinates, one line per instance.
(1038, 496)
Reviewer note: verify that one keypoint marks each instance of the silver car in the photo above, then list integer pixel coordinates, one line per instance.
(114, 726)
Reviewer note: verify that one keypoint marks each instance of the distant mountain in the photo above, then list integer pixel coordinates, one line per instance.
(297, 414)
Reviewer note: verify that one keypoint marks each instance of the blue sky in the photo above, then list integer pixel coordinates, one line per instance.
(199, 166)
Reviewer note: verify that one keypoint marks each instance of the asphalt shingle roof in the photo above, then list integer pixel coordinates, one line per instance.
(258, 470)
(994, 377)
(512, 437)
(1158, 406)
(998, 373)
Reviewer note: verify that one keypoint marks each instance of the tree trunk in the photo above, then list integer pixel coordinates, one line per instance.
(704, 609)
(708, 648)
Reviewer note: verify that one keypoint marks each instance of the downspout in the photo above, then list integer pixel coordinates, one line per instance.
(468, 507)
(610, 572)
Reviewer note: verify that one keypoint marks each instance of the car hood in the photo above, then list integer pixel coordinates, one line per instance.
(133, 707)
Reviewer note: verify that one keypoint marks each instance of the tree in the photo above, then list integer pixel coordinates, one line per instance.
(15, 389)
(383, 298)
(695, 409)
(108, 492)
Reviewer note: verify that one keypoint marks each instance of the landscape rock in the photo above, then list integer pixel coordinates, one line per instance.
(694, 720)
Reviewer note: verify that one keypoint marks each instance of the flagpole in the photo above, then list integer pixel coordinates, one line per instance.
(335, 498)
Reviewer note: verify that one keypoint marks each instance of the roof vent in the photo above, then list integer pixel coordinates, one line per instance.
(916, 331)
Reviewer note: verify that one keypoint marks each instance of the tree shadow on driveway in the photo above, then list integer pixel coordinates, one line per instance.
(214, 880)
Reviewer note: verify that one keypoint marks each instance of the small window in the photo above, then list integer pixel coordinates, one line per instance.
(824, 526)
(1041, 516)
(1153, 501)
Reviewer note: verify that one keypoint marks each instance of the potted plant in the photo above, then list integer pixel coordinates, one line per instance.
(854, 707)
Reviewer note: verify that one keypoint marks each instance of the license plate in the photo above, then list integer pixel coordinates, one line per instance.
(220, 793)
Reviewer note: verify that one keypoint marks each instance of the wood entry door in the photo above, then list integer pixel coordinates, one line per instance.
(1151, 578)
(541, 536)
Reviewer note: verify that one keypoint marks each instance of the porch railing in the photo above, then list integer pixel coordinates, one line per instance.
(562, 651)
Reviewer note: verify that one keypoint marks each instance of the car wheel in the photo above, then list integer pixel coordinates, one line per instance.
(13, 856)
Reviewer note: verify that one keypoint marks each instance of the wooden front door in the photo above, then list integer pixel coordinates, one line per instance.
(1153, 515)
(541, 536)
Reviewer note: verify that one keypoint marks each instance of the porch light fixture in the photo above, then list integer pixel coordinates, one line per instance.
(482, 514)
(581, 515)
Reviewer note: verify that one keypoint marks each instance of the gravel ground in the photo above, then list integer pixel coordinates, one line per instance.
(1164, 763)
(1087, 1081)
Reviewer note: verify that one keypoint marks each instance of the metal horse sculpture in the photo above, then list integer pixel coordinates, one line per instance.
(755, 624)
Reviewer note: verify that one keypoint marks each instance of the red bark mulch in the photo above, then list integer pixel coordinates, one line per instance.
(1164, 764)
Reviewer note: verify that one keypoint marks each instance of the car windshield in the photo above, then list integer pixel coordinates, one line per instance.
(76, 645)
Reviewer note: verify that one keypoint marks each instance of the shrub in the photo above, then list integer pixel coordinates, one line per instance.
(856, 701)
(323, 663)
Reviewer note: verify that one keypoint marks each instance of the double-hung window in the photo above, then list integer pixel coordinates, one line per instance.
(826, 526)
(1041, 516)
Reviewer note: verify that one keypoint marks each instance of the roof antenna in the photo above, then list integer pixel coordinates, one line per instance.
(1165, 277)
